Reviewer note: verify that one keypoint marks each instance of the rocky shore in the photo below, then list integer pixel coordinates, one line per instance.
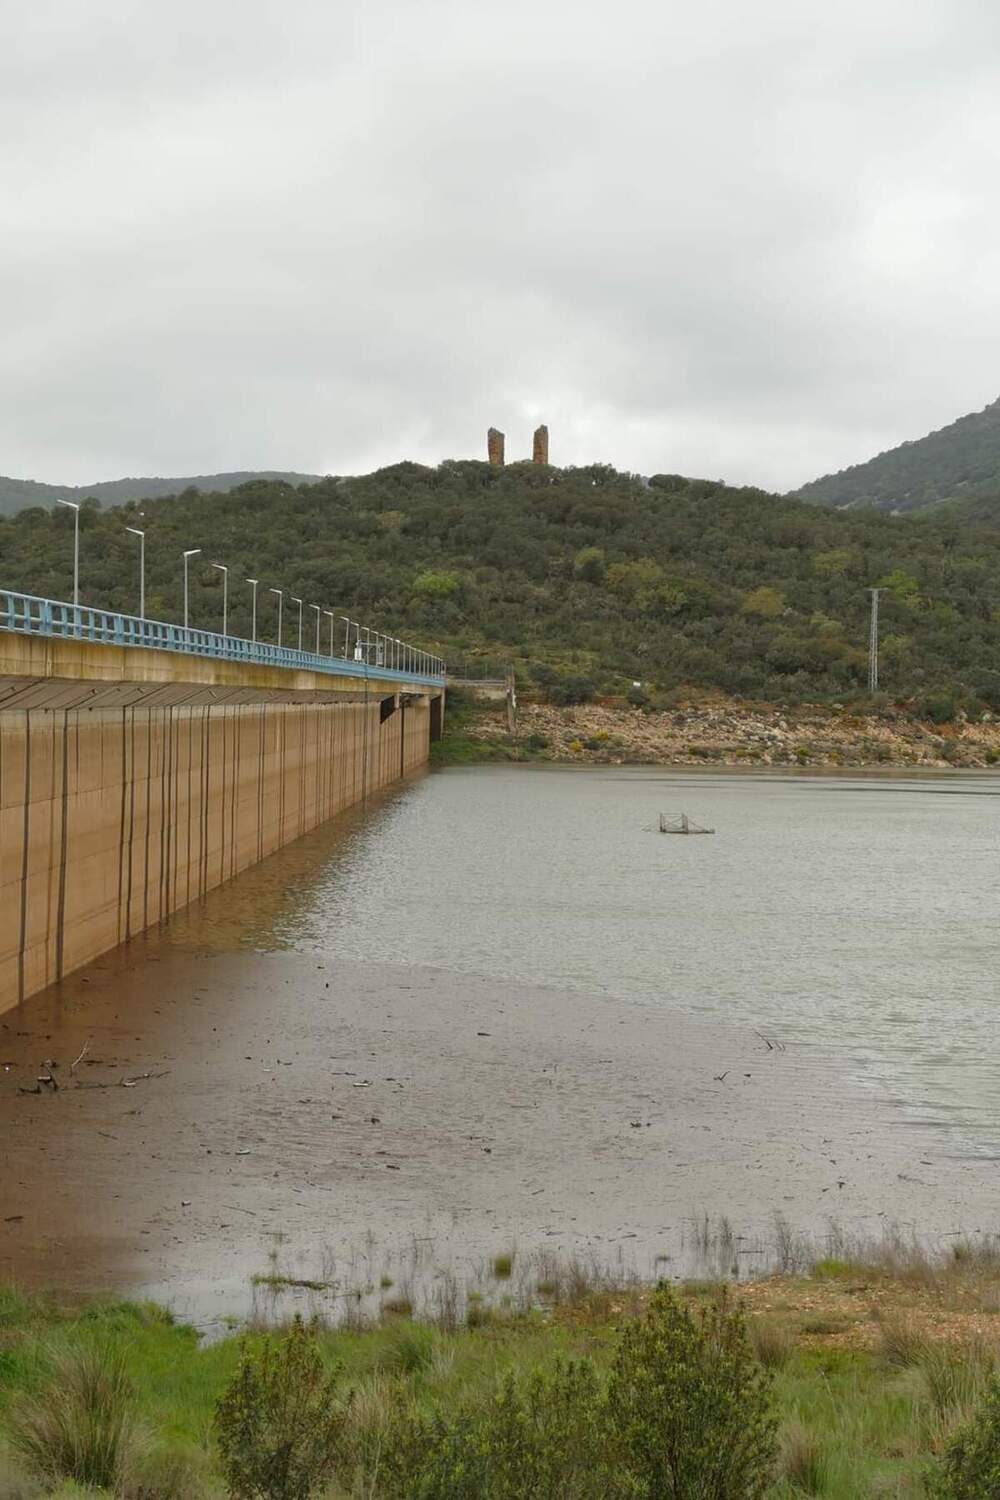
(738, 734)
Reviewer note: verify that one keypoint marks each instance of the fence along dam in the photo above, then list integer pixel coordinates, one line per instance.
(141, 765)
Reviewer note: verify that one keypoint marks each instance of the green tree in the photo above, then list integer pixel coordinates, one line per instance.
(831, 564)
(689, 1406)
(590, 564)
(766, 601)
(280, 1424)
(437, 583)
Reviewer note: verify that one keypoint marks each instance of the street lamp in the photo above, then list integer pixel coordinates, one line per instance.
(72, 505)
(253, 609)
(142, 568)
(318, 614)
(299, 603)
(221, 567)
(332, 618)
(192, 552)
(347, 636)
(280, 594)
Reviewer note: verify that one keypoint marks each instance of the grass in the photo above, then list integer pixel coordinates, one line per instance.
(876, 1355)
(79, 1424)
(457, 747)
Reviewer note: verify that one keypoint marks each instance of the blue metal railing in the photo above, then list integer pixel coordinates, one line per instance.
(27, 615)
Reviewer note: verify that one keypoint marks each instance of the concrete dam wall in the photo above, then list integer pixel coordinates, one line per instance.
(111, 818)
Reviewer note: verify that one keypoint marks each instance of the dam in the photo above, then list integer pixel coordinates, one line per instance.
(143, 764)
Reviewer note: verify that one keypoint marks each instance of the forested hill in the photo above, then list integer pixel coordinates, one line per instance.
(959, 462)
(19, 494)
(585, 574)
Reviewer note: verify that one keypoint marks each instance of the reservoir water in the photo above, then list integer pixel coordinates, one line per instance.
(861, 916)
(504, 986)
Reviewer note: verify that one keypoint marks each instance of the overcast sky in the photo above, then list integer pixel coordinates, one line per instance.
(747, 239)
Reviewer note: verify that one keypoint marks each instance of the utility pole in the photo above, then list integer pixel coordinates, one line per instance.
(873, 643)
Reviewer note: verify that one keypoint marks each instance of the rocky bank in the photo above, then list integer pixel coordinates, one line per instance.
(736, 734)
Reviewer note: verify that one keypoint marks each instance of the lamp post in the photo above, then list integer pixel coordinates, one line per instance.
(347, 636)
(221, 567)
(318, 615)
(191, 552)
(72, 505)
(280, 594)
(332, 618)
(253, 608)
(299, 603)
(142, 568)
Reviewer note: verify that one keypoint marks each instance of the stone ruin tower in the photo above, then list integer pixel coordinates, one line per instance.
(540, 446)
(494, 447)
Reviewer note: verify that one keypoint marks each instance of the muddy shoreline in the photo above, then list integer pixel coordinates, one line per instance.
(330, 1114)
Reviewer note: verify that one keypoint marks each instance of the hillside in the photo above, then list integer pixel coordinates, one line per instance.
(587, 577)
(958, 462)
(19, 494)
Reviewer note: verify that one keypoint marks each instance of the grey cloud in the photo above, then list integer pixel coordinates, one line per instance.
(754, 241)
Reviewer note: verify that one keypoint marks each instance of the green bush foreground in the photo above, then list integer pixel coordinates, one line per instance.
(682, 1401)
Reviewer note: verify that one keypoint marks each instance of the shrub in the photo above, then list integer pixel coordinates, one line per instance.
(437, 583)
(280, 1424)
(689, 1406)
(503, 1265)
(772, 1342)
(970, 1466)
(80, 1426)
(903, 1342)
(939, 708)
(536, 742)
(571, 689)
(534, 1440)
